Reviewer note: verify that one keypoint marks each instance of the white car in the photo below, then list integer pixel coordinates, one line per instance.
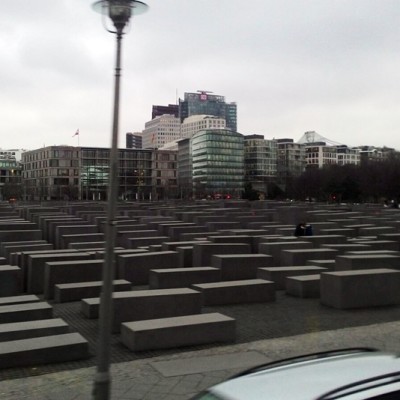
(348, 374)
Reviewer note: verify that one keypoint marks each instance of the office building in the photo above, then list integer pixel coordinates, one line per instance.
(291, 161)
(51, 173)
(185, 170)
(318, 154)
(164, 172)
(160, 131)
(260, 162)
(171, 109)
(134, 140)
(82, 173)
(217, 164)
(10, 174)
(196, 123)
(205, 103)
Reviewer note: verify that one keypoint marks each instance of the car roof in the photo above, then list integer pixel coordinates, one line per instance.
(313, 376)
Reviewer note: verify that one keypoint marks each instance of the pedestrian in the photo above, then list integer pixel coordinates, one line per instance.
(303, 229)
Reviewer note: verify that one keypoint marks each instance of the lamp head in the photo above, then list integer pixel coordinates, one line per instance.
(120, 11)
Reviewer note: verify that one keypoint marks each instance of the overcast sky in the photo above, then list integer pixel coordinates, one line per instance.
(332, 66)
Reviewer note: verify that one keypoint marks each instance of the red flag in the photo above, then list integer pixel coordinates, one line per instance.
(76, 133)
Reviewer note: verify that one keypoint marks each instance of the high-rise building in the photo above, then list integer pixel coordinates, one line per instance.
(10, 174)
(217, 163)
(82, 173)
(260, 161)
(134, 140)
(347, 155)
(161, 130)
(185, 181)
(171, 109)
(318, 154)
(195, 123)
(205, 103)
(291, 161)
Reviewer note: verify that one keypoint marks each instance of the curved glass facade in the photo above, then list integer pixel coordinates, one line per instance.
(218, 163)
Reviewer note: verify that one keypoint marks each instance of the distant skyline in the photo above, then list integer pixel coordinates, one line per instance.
(291, 66)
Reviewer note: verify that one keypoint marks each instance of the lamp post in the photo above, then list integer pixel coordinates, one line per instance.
(120, 12)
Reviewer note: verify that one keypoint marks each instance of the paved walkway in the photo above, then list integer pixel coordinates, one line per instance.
(180, 376)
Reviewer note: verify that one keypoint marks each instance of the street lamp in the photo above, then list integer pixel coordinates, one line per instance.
(120, 12)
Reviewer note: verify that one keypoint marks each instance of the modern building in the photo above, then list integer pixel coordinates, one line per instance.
(171, 109)
(217, 163)
(195, 123)
(205, 103)
(51, 173)
(10, 174)
(82, 173)
(374, 154)
(260, 162)
(291, 161)
(347, 155)
(185, 169)
(164, 174)
(134, 140)
(161, 130)
(318, 154)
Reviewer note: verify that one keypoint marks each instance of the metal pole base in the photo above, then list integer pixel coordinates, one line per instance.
(102, 386)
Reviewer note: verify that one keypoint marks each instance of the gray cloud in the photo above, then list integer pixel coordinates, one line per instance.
(291, 65)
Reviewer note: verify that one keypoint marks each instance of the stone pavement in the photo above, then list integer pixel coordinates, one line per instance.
(180, 376)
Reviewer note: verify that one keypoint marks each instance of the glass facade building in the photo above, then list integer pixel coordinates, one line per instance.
(260, 161)
(82, 173)
(204, 103)
(217, 163)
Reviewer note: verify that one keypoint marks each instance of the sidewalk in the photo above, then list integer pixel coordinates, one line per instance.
(180, 376)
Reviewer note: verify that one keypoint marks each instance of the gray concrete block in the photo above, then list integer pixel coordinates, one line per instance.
(134, 243)
(8, 250)
(275, 249)
(57, 272)
(24, 298)
(235, 267)
(250, 240)
(87, 237)
(67, 230)
(17, 226)
(202, 252)
(329, 265)
(374, 244)
(135, 268)
(5, 244)
(65, 292)
(376, 230)
(171, 246)
(35, 271)
(361, 288)
(182, 277)
(43, 350)
(31, 329)
(236, 292)
(146, 304)
(319, 240)
(301, 256)
(10, 280)
(25, 312)
(371, 261)
(185, 256)
(304, 286)
(178, 331)
(346, 247)
(278, 274)
(22, 235)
